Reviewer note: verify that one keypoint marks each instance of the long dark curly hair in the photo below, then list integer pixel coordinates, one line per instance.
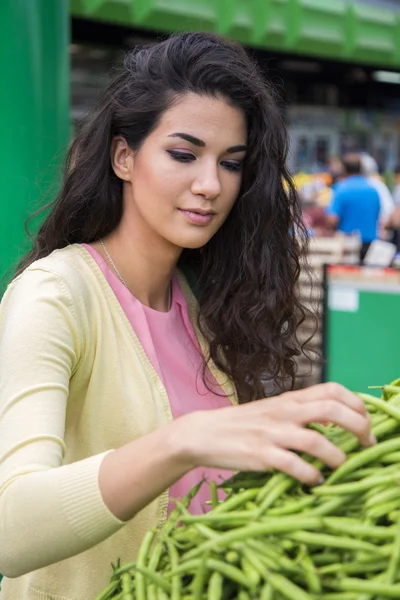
(247, 273)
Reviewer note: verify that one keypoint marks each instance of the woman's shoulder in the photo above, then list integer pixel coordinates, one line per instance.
(71, 268)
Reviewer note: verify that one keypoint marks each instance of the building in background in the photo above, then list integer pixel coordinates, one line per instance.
(334, 63)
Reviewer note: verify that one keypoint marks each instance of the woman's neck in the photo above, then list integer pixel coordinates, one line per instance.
(146, 264)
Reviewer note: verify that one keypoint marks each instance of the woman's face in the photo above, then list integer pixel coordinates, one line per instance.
(182, 183)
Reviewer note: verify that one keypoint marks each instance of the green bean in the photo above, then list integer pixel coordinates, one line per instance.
(176, 513)
(341, 596)
(385, 407)
(161, 594)
(329, 506)
(331, 541)
(354, 568)
(185, 567)
(127, 586)
(239, 517)
(232, 557)
(176, 581)
(273, 557)
(287, 588)
(140, 584)
(106, 593)
(311, 575)
(355, 487)
(348, 584)
(269, 562)
(393, 457)
(352, 527)
(394, 562)
(271, 484)
(153, 577)
(326, 558)
(363, 458)
(243, 479)
(272, 526)
(249, 571)
(155, 556)
(213, 493)
(290, 508)
(362, 473)
(199, 581)
(382, 497)
(273, 495)
(123, 569)
(267, 592)
(382, 509)
(214, 591)
(391, 389)
(235, 501)
(151, 592)
(384, 428)
(230, 572)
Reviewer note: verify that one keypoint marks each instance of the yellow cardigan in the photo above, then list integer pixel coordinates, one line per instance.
(75, 383)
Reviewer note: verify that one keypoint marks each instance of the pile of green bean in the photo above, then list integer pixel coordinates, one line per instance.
(273, 538)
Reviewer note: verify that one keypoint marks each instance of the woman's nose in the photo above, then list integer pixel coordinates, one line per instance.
(207, 184)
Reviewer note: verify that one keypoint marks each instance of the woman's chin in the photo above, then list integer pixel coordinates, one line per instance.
(192, 242)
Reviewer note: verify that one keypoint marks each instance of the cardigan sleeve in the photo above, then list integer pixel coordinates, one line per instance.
(48, 511)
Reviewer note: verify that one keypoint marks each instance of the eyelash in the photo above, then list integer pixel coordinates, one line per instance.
(185, 157)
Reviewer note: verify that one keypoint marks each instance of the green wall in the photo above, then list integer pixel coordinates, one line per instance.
(336, 29)
(34, 112)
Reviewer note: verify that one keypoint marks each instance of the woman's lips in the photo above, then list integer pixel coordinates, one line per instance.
(196, 217)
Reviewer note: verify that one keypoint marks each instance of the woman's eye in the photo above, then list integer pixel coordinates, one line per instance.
(183, 157)
(234, 167)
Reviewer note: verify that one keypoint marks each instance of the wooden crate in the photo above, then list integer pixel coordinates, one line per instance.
(330, 250)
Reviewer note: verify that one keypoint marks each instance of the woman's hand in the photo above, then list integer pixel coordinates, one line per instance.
(262, 435)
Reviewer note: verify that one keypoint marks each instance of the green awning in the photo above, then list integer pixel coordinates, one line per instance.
(336, 29)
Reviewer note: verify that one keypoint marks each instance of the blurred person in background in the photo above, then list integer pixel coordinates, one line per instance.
(369, 168)
(356, 204)
(396, 191)
(336, 171)
(393, 223)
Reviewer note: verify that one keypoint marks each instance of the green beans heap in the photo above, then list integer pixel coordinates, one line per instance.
(273, 538)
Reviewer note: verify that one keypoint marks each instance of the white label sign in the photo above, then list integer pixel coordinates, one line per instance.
(343, 298)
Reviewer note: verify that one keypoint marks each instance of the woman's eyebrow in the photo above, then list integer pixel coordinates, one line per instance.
(201, 144)
(239, 148)
(189, 138)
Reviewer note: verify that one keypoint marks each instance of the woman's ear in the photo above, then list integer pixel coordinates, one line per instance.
(121, 158)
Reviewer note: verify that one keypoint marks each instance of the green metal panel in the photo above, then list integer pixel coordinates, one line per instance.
(372, 34)
(337, 29)
(34, 111)
(317, 26)
(362, 342)
(273, 21)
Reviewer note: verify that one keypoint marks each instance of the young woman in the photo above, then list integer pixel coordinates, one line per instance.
(109, 366)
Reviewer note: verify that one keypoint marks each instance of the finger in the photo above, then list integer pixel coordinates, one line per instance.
(330, 390)
(339, 414)
(291, 464)
(316, 445)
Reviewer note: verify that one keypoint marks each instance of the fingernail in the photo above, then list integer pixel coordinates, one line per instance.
(372, 440)
(320, 481)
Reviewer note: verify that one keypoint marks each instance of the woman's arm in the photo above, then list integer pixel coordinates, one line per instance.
(253, 437)
(40, 348)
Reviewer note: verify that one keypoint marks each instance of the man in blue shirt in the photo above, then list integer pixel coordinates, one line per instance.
(356, 204)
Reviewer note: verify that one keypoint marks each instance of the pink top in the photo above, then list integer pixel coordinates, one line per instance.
(172, 347)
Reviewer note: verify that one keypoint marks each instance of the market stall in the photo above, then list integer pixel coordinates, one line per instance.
(362, 310)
